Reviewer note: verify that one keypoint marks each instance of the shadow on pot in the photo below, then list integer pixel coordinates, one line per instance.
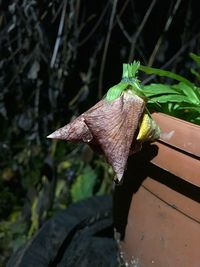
(137, 170)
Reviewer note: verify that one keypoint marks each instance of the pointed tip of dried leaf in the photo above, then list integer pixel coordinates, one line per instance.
(50, 136)
(118, 179)
(56, 135)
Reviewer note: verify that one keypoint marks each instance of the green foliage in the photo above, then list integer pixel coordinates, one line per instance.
(165, 73)
(83, 187)
(50, 71)
(129, 82)
(155, 89)
(181, 99)
(170, 98)
(12, 234)
(196, 58)
(115, 91)
(195, 70)
(130, 70)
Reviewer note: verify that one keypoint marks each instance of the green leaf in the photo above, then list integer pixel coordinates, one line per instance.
(197, 91)
(188, 91)
(115, 91)
(170, 98)
(165, 73)
(195, 73)
(34, 217)
(196, 58)
(192, 108)
(158, 89)
(83, 187)
(130, 70)
(196, 120)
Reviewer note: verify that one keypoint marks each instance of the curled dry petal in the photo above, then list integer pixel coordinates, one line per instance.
(75, 131)
(111, 125)
(114, 126)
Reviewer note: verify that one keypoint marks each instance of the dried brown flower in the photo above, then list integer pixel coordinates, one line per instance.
(110, 127)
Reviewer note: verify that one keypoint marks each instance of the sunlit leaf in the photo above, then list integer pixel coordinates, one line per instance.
(165, 73)
(158, 89)
(188, 91)
(115, 91)
(190, 108)
(170, 98)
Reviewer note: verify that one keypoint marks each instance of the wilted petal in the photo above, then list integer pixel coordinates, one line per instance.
(75, 131)
(110, 127)
(114, 125)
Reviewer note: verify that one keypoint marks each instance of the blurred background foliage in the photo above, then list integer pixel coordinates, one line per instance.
(57, 59)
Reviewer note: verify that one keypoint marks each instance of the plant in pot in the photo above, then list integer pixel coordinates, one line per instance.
(156, 210)
(158, 200)
(154, 185)
(116, 126)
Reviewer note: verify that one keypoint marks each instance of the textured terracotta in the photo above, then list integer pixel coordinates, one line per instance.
(157, 210)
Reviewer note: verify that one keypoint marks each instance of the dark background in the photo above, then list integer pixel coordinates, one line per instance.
(38, 94)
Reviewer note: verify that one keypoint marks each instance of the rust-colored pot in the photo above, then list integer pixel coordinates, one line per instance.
(157, 209)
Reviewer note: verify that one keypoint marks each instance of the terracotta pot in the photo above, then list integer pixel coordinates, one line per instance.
(157, 210)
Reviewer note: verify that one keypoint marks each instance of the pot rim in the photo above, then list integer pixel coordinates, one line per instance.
(179, 148)
(180, 134)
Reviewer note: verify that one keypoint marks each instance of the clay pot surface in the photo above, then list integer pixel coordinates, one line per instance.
(179, 148)
(162, 227)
